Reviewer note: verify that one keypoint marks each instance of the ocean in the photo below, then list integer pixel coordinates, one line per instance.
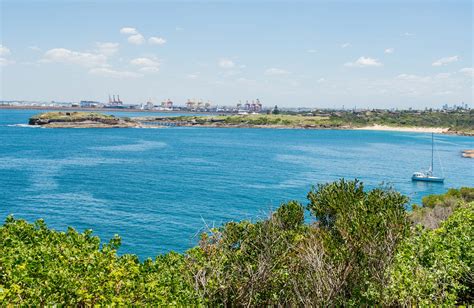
(159, 188)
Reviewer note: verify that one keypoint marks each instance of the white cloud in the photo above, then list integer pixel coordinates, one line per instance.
(128, 31)
(4, 51)
(276, 71)
(5, 62)
(149, 69)
(107, 72)
(321, 80)
(146, 65)
(226, 63)
(144, 62)
(389, 50)
(231, 72)
(136, 39)
(443, 75)
(469, 71)
(63, 55)
(311, 50)
(411, 77)
(364, 62)
(345, 45)
(34, 48)
(408, 34)
(156, 40)
(107, 49)
(445, 61)
(444, 93)
(193, 75)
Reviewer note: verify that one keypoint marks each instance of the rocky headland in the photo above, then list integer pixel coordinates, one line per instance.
(80, 120)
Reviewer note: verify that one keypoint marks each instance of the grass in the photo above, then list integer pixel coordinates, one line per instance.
(71, 116)
(460, 122)
(259, 119)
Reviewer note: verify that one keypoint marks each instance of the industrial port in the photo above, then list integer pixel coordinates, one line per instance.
(115, 103)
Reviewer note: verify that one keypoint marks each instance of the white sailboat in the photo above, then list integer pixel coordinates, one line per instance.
(427, 176)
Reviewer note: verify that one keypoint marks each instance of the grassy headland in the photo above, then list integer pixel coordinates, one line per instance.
(363, 250)
(461, 122)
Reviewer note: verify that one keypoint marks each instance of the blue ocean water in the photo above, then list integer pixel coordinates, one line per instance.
(158, 188)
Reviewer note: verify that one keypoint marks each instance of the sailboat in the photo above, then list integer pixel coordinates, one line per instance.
(427, 176)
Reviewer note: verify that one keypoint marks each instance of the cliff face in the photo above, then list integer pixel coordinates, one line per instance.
(79, 119)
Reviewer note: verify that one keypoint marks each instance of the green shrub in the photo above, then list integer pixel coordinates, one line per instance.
(249, 264)
(436, 208)
(435, 267)
(40, 266)
(364, 229)
(290, 215)
(360, 250)
(467, 193)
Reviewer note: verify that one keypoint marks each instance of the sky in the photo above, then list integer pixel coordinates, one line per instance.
(376, 54)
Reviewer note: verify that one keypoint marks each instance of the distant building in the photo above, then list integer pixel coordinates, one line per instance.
(89, 104)
(149, 105)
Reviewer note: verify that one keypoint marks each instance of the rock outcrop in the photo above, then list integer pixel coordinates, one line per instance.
(80, 120)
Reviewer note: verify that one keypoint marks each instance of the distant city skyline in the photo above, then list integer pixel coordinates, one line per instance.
(395, 54)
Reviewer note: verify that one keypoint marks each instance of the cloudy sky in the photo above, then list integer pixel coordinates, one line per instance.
(304, 53)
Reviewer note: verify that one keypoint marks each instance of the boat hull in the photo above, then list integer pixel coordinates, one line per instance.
(428, 179)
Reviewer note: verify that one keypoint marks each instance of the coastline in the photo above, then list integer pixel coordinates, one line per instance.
(84, 119)
(436, 130)
(412, 129)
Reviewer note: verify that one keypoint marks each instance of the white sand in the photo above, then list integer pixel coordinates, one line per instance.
(437, 130)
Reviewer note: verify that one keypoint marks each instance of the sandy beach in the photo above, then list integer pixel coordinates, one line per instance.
(437, 130)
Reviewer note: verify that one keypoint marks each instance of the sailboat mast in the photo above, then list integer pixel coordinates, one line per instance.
(432, 150)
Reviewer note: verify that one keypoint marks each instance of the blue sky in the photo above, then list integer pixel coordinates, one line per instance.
(290, 53)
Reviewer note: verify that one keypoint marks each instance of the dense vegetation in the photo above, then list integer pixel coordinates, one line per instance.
(362, 248)
(462, 121)
(456, 121)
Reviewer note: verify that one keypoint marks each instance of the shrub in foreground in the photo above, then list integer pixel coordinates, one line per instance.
(40, 266)
(436, 267)
(361, 249)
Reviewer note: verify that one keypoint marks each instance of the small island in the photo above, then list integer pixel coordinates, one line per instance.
(80, 120)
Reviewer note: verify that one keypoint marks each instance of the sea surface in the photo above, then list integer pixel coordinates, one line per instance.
(158, 188)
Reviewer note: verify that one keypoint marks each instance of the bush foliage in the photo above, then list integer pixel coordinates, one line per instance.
(363, 248)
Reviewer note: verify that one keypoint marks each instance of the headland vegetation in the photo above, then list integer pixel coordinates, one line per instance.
(359, 247)
(459, 123)
(75, 119)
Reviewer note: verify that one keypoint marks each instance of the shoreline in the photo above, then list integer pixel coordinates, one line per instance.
(412, 129)
(381, 128)
(61, 119)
